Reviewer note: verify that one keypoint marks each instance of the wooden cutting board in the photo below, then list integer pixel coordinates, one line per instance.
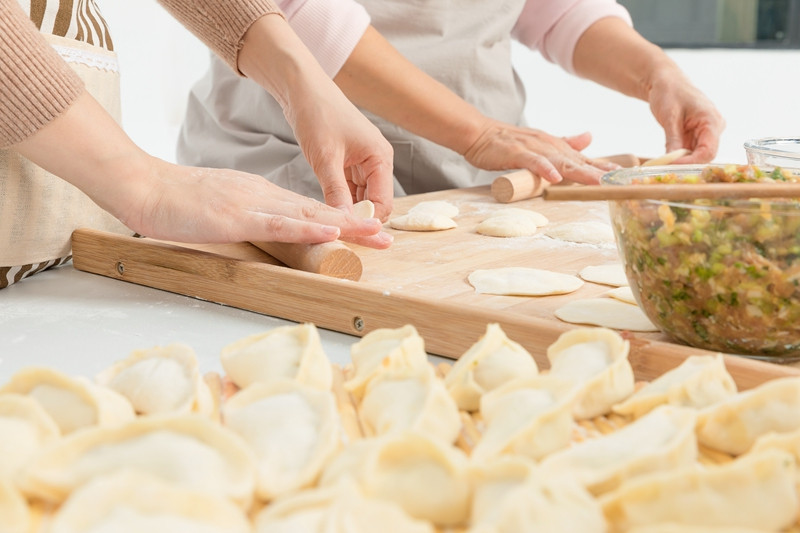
(420, 280)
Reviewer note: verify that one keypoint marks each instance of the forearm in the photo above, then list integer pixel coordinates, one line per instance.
(87, 148)
(379, 79)
(613, 54)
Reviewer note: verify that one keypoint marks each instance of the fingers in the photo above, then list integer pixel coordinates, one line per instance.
(579, 142)
(335, 187)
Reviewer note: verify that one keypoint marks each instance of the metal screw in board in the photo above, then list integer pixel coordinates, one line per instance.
(120, 268)
(358, 323)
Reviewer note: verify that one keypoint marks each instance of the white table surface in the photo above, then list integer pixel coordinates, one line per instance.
(80, 323)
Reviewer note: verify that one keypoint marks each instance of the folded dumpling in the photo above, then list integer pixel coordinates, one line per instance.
(163, 379)
(596, 360)
(406, 399)
(530, 417)
(287, 352)
(493, 480)
(662, 439)
(489, 363)
(732, 426)
(187, 450)
(131, 502)
(293, 429)
(14, 514)
(682, 528)
(25, 428)
(384, 349)
(336, 509)
(700, 381)
(540, 503)
(427, 478)
(72, 402)
(754, 491)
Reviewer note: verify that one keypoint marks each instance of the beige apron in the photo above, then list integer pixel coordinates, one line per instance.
(232, 122)
(39, 211)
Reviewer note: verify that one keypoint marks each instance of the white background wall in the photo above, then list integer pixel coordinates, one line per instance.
(756, 91)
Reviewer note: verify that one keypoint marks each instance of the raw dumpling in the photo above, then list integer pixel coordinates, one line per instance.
(537, 503)
(160, 380)
(406, 399)
(336, 509)
(293, 430)
(732, 426)
(595, 360)
(681, 528)
(381, 350)
(25, 428)
(293, 352)
(13, 509)
(489, 363)
(187, 450)
(788, 442)
(700, 381)
(530, 417)
(661, 440)
(425, 477)
(755, 491)
(73, 403)
(493, 480)
(131, 502)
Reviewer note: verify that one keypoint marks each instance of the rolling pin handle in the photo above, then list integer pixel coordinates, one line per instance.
(516, 186)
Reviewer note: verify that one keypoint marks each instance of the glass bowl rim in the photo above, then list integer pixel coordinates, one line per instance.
(769, 146)
(754, 206)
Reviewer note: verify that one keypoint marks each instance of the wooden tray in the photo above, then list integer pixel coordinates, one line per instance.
(420, 280)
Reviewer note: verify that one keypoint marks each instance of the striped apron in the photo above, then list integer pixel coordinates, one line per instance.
(39, 211)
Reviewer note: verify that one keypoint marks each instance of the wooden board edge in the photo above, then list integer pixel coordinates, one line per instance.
(355, 308)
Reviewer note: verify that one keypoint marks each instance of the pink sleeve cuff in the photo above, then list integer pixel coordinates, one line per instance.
(553, 28)
(329, 28)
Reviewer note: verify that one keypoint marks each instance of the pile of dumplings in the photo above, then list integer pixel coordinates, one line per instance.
(287, 442)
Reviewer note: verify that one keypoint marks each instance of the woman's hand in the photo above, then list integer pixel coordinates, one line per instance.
(157, 199)
(503, 146)
(688, 117)
(350, 157)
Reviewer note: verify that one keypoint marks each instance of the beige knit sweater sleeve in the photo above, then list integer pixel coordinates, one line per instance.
(36, 85)
(220, 25)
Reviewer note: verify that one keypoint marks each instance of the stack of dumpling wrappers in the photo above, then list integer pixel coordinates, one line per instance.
(284, 442)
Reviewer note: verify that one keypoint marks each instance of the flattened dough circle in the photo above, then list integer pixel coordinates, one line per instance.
(583, 232)
(422, 221)
(522, 281)
(612, 274)
(605, 312)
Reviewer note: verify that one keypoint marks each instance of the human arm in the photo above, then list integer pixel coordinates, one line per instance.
(347, 153)
(47, 116)
(379, 79)
(612, 53)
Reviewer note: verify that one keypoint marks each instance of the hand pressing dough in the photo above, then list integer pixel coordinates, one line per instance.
(440, 207)
(583, 232)
(521, 281)
(623, 294)
(607, 313)
(512, 222)
(613, 274)
(364, 209)
(422, 221)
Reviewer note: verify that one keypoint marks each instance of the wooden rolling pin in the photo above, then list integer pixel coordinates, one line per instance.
(333, 259)
(523, 184)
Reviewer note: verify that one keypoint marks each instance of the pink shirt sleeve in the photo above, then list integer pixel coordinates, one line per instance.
(553, 28)
(329, 28)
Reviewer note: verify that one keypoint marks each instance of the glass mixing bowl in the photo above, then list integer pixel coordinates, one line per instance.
(723, 275)
(771, 152)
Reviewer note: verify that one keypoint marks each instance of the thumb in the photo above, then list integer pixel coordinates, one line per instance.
(579, 142)
(335, 188)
